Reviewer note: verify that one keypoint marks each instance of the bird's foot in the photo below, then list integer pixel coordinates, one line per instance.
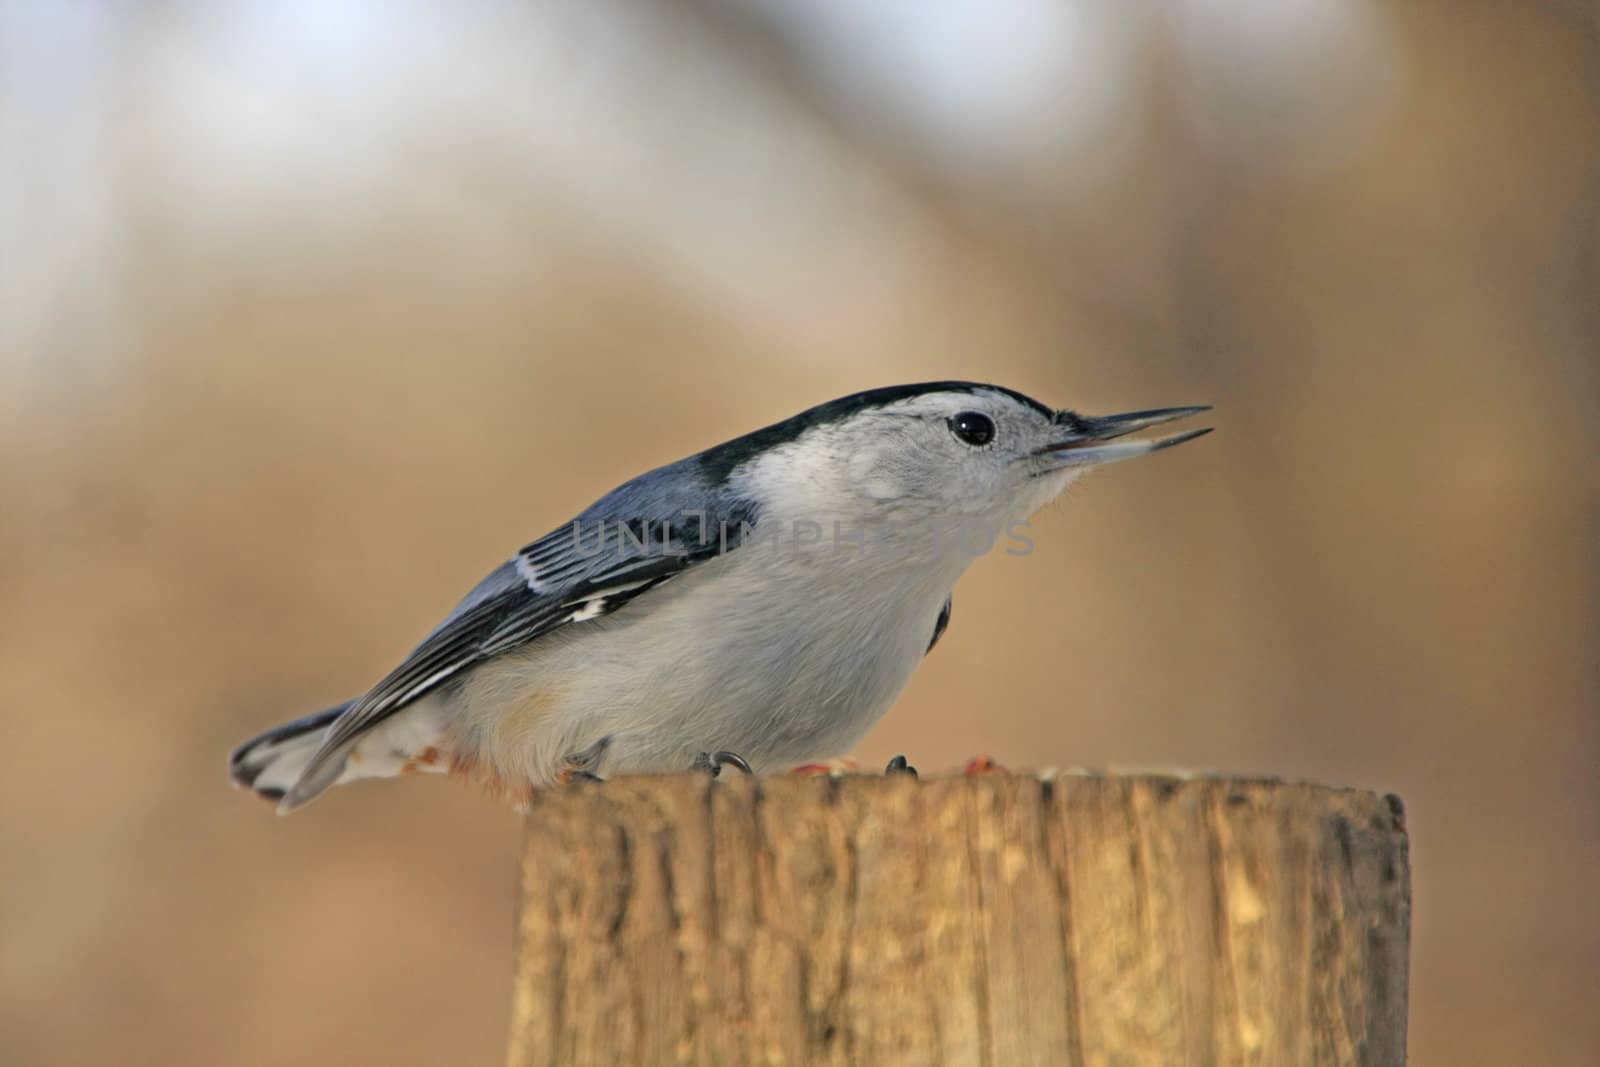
(898, 765)
(713, 762)
(979, 765)
(581, 765)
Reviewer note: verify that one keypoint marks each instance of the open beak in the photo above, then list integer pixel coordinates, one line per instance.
(1092, 440)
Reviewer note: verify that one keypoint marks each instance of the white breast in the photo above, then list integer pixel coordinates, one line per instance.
(784, 655)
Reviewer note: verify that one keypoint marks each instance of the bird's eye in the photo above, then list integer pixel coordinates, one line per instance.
(973, 427)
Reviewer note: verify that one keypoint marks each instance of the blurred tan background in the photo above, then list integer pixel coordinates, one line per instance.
(310, 313)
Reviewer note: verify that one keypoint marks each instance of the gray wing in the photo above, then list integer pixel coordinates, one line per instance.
(618, 550)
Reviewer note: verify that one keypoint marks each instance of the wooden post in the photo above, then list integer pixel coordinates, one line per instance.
(998, 920)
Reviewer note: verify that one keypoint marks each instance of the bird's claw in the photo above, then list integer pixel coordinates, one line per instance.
(898, 765)
(581, 765)
(713, 762)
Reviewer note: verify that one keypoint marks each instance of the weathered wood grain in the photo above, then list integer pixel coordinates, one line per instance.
(1089, 920)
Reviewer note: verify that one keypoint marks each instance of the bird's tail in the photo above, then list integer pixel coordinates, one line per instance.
(271, 763)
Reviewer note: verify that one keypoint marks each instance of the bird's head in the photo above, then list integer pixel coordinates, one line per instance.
(956, 451)
(959, 448)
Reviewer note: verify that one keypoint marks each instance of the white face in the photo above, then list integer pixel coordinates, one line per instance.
(976, 455)
(963, 456)
(972, 454)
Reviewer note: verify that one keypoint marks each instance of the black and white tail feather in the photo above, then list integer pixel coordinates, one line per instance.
(271, 763)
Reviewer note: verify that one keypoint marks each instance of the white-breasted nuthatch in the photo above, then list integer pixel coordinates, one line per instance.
(760, 603)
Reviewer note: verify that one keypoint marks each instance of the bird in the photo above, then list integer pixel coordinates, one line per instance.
(761, 603)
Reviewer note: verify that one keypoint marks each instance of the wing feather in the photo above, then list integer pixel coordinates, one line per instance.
(559, 579)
